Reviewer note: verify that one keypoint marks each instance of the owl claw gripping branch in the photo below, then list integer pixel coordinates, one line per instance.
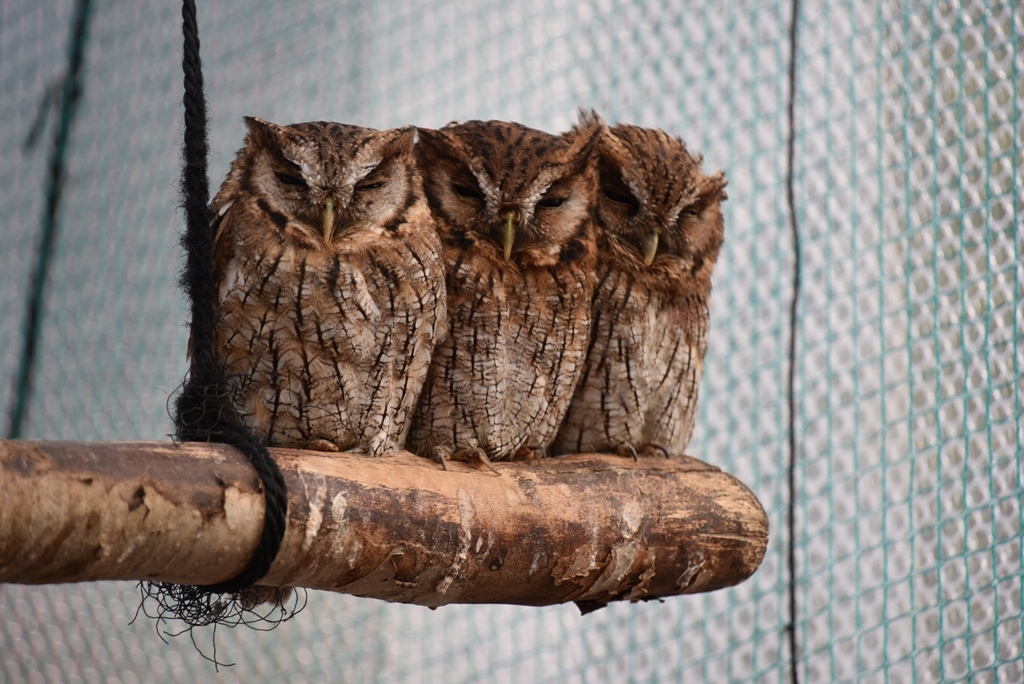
(443, 455)
(487, 292)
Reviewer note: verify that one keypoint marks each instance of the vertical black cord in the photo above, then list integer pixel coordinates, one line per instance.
(197, 276)
(203, 411)
(71, 92)
(793, 308)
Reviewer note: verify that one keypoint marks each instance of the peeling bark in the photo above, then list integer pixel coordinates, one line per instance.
(588, 528)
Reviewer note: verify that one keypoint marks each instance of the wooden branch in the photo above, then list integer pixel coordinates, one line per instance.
(588, 528)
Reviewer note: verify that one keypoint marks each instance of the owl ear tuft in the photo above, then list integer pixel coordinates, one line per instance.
(262, 133)
(712, 188)
(585, 118)
(582, 142)
(428, 138)
(400, 142)
(613, 153)
(434, 147)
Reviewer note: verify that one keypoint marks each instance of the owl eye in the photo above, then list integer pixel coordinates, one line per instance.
(617, 197)
(369, 186)
(690, 211)
(468, 192)
(551, 202)
(288, 179)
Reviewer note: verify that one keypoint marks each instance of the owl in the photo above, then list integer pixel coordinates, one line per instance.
(330, 285)
(514, 210)
(659, 230)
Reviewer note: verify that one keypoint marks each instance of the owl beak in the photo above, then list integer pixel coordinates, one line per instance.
(651, 247)
(328, 221)
(508, 234)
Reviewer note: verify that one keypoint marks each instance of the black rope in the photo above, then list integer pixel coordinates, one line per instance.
(793, 309)
(70, 92)
(203, 411)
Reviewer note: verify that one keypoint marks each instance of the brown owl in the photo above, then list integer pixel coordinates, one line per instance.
(330, 284)
(514, 209)
(659, 229)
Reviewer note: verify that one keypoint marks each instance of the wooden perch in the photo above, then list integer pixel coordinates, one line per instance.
(588, 528)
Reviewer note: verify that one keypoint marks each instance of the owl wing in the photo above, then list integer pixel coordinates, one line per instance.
(677, 361)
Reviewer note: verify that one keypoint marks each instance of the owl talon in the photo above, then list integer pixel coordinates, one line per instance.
(322, 445)
(480, 455)
(441, 455)
(627, 450)
(658, 447)
(653, 449)
(530, 453)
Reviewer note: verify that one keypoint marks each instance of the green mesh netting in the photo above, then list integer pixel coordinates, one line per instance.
(910, 377)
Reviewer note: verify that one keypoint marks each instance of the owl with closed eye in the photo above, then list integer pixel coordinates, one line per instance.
(330, 285)
(659, 230)
(514, 211)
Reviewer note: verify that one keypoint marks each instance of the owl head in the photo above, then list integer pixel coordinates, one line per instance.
(319, 181)
(654, 201)
(526, 193)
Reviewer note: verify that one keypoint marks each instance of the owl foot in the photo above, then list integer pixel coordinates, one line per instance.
(652, 449)
(322, 445)
(476, 454)
(530, 453)
(442, 455)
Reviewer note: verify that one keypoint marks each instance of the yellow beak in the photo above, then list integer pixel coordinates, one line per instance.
(508, 235)
(651, 247)
(328, 221)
